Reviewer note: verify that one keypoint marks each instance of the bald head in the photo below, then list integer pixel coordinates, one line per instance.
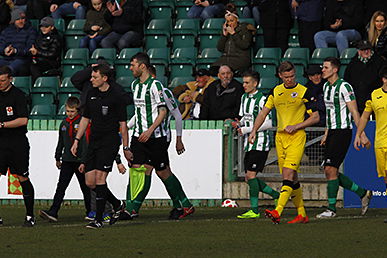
(225, 75)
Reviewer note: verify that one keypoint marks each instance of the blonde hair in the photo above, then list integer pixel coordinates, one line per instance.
(10, 4)
(373, 33)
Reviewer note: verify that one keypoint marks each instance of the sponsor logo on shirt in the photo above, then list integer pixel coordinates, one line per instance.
(9, 111)
(294, 94)
(105, 110)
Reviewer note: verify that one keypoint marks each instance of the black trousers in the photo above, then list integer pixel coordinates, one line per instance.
(67, 171)
(306, 31)
(276, 37)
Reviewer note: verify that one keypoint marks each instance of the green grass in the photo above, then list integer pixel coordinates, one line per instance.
(210, 232)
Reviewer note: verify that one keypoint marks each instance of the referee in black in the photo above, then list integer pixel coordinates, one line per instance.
(14, 146)
(106, 107)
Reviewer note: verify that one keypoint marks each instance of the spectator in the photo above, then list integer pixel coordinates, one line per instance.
(222, 98)
(191, 94)
(234, 43)
(376, 26)
(15, 43)
(127, 25)
(343, 23)
(96, 26)
(46, 51)
(205, 9)
(38, 9)
(362, 73)
(276, 22)
(251, 11)
(309, 15)
(61, 8)
(5, 13)
(21, 4)
(381, 45)
(371, 6)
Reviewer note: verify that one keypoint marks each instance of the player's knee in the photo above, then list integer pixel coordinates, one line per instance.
(164, 174)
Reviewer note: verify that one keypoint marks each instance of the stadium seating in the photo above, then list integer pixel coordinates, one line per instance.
(159, 55)
(75, 60)
(182, 62)
(265, 70)
(109, 54)
(161, 9)
(319, 54)
(210, 33)
(61, 112)
(157, 33)
(184, 33)
(179, 81)
(122, 63)
(43, 111)
(181, 8)
(74, 33)
(347, 55)
(297, 56)
(268, 56)
(63, 96)
(268, 82)
(42, 98)
(46, 85)
(67, 87)
(23, 83)
(125, 81)
(207, 57)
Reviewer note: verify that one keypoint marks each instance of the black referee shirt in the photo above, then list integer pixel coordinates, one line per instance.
(106, 110)
(13, 104)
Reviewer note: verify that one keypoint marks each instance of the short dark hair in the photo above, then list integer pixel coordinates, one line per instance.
(286, 66)
(253, 74)
(335, 62)
(4, 69)
(142, 58)
(383, 72)
(152, 70)
(104, 70)
(73, 102)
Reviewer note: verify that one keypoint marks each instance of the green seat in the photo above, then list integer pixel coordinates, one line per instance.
(74, 33)
(343, 67)
(301, 80)
(73, 41)
(297, 56)
(61, 112)
(300, 70)
(42, 98)
(239, 79)
(293, 41)
(122, 70)
(67, 87)
(159, 55)
(184, 56)
(70, 69)
(156, 41)
(319, 54)
(258, 42)
(163, 79)
(43, 111)
(186, 27)
(268, 82)
(162, 3)
(182, 9)
(347, 55)
(212, 26)
(268, 56)
(35, 24)
(183, 70)
(46, 85)
(130, 111)
(179, 81)
(63, 96)
(109, 54)
(125, 81)
(126, 54)
(159, 27)
(208, 56)
(79, 56)
(60, 26)
(23, 83)
(265, 70)
(161, 69)
(179, 41)
(208, 41)
(160, 12)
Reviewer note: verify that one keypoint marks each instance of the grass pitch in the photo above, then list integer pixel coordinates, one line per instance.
(210, 232)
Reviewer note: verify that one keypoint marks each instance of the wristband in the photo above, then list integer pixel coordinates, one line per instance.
(126, 148)
(77, 139)
(1, 124)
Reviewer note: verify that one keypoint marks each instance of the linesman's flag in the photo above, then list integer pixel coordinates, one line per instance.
(14, 186)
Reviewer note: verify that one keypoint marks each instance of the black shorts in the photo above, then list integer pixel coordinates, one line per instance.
(255, 160)
(154, 152)
(336, 146)
(15, 155)
(102, 152)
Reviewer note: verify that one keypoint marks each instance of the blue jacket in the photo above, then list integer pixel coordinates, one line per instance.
(310, 10)
(21, 39)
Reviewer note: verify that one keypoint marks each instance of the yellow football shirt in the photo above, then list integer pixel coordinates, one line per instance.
(378, 105)
(290, 104)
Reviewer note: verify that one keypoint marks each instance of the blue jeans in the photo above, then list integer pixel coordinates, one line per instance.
(129, 39)
(341, 39)
(15, 64)
(205, 12)
(92, 44)
(251, 13)
(67, 9)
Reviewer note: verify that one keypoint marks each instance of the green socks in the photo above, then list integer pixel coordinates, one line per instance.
(137, 202)
(170, 185)
(348, 184)
(177, 190)
(253, 191)
(267, 189)
(333, 188)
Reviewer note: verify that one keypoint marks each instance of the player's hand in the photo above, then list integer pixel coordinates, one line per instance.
(252, 137)
(179, 146)
(357, 143)
(323, 140)
(58, 164)
(129, 157)
(144, 137)
(121, 168)
(236, 123)
(74, 148)
(81, 168)
(291, 129)
(365, 142)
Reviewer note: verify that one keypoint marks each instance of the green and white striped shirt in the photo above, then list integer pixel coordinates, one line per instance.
(251, 105)
(148, 97)
(335, 97)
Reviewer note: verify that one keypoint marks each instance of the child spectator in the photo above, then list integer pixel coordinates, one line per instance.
(46, 51)
(96, 26)
(66, 162)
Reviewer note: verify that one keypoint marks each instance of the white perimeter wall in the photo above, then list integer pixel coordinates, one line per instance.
(199, 169)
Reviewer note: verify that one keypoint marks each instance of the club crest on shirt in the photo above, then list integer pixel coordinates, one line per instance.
(63, 128)
(294, 94)
(105, 110)
(76, 126)
(9, 111)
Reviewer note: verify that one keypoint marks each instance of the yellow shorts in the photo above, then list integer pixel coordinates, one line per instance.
(290, 148)
(381, 161)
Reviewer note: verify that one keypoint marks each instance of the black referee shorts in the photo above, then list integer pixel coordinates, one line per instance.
(102, 152)
(255, 160)
(336, 146)
(154, 152)
(15, 155)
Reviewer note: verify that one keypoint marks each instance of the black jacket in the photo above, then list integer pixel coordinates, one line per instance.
(49, 47)
(220, 103)
(275, 13)
(5, 15)
(131, 19)
(381, 46)
(364, 78)
(350, 11)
